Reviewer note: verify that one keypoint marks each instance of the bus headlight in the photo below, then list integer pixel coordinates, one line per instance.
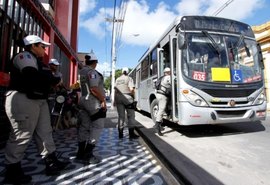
(261, 98)
(194, 99)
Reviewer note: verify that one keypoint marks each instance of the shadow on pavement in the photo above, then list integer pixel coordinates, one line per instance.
(212, 130)
(184, 170)
(216, 130)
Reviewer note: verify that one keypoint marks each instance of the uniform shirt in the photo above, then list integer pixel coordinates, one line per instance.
(89, 78)
(124, 83)
(165, 86)
(29, 75)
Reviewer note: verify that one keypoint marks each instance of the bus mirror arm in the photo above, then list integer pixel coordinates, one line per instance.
(260, 56)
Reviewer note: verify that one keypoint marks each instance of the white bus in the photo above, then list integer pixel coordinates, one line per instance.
(217, 72)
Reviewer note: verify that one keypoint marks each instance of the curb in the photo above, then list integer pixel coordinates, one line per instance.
(173, 170)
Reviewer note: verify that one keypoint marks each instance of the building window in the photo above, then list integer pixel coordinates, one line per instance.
(50, 2)
(2, 4)
(10, 8)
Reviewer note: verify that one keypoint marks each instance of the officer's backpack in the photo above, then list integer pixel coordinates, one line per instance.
(158, 83)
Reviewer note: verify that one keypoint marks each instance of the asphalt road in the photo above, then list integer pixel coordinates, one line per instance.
(231, 154)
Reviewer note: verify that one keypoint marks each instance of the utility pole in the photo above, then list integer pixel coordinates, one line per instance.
(113, 64)
(114, 20)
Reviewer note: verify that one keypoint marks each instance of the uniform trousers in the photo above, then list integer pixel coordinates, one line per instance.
(88, 130)
(162, 103)
(28, 118)
(122, 100)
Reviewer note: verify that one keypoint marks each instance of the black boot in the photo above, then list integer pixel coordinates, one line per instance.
(158, 128)
(92, 159)
(132, 134)
(120, 132)
(159, 124)
(14, 175)
(81, 150)
(85, 154)
(53, 165)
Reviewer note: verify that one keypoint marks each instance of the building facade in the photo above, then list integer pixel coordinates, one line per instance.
(262, 34)
(54, 21)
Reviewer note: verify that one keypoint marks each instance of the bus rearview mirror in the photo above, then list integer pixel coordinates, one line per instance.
(181, 41)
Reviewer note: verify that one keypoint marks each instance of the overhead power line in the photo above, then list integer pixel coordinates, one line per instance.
(222, 7)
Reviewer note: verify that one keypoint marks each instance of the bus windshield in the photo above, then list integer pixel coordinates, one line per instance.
(221, 58)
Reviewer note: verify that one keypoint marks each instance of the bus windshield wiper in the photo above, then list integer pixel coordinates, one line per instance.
(213, 43)
(241, 39)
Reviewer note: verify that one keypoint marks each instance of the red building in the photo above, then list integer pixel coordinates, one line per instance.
(54, 21)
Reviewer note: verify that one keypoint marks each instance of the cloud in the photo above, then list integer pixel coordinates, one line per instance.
(148, 24)
(191, 7)
(104, 68)
(234, 9)
(86, 6)
(238, 9)
(95, 25)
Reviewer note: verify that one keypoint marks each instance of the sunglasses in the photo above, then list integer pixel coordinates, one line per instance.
(41, 45)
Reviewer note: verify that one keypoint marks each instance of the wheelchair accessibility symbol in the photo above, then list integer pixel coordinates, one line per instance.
(237, 76)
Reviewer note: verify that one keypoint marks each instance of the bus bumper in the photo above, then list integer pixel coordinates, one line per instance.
(191, 115)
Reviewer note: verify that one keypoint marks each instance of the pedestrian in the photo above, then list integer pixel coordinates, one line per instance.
(54, 65)
(124, 102)
(59, 88)
(163, 94)
(27, 109)
(92, 112)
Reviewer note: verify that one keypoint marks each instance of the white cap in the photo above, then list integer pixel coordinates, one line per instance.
(167, 69)
(54, 62)
(92, 56)
(125, 69)
(33, 39)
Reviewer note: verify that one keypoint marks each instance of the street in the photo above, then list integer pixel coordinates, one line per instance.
(230, 154)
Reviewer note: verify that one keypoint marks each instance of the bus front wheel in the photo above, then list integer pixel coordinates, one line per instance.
(154, 110)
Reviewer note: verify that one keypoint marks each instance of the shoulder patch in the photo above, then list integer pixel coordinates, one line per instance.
(28, 56)
(92, 76)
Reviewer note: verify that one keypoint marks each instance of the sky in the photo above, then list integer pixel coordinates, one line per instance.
(146, 20)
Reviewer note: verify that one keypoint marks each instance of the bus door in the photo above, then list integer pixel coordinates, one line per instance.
(137, 85)
(173, 64)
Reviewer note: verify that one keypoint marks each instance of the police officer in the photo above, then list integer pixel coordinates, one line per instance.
(27, 109)
(163, 95)
(54, 65)
(93, 109)
(124, 101)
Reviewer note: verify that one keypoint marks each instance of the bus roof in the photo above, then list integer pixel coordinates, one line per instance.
(195, 23)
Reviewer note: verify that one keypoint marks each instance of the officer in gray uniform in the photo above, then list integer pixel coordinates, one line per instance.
(124, 101)
(93, 109)
(162, 95)
(27, 109)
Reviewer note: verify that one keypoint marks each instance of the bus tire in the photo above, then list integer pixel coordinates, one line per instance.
(154, 110)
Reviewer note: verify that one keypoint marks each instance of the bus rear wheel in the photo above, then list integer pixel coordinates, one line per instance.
(154, 110)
